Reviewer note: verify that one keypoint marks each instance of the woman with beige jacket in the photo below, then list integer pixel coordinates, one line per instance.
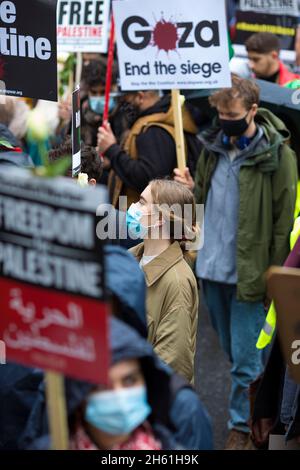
(165, 217)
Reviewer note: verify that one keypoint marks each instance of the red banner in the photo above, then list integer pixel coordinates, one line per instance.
(55, 331)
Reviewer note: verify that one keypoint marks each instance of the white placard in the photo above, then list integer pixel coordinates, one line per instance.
(171, 44)
(76, 133)
(83, 25)
(272, 7)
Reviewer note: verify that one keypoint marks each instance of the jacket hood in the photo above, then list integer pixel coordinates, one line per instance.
(164, 106)
(266, 155)
(18, 394)
(125, 280)
(272, 126)
(125, 343)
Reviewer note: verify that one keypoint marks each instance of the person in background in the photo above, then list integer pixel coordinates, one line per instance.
(65, 119)
(172, 291)
(10, 151)
(14, 115)
(91, 163)
(125, 281)
(263, 55)
(94, 78)
(149, 150)
(247, 179)
(88, 57)
(92, 87)
(275, 395)
(130, 413)
(275, 402)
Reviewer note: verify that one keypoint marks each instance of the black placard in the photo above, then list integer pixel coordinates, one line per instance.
(76, 133)
(28, 52)
(249, 22)
(48, 234)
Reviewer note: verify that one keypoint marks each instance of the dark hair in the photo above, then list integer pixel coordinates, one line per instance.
(94, 74)
(91, 163)
(263, 43)
(60, 151)
(242, 88)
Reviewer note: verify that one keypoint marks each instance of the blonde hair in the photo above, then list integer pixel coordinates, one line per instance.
(172, 199)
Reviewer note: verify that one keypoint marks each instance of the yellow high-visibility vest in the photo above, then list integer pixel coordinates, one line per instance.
(267, 332)
(297, 207)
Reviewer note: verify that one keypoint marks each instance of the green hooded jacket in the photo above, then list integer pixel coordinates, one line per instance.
(268, 184)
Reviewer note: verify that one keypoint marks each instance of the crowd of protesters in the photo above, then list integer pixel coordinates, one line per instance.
(241, 165)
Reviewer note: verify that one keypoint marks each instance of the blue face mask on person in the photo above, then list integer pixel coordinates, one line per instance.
(118, 412)
(97, 104)
(133, 220)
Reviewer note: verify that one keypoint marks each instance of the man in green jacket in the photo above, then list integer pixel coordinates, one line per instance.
(247, 178)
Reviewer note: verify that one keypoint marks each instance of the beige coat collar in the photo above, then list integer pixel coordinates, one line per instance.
(159, 265)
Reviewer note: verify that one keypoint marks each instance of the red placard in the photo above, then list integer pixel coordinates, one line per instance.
(55, 331)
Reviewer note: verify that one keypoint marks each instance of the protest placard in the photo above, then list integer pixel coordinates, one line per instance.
(272, 7)
(76, 133)
(172, 45)
(167, 44)
(278, 17)
(53, 309)
(249, 22)
(83, 25)
(28, 58)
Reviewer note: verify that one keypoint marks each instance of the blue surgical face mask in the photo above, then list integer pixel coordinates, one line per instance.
(133, 220)
(118, 412)
(97, 104)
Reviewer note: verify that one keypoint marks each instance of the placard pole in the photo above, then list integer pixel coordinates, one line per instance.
(179, 135)
(57, 410)
(109, 70)
(79, 63)
(71, 82)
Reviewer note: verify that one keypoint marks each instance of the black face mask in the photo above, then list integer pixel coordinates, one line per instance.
(234, 128)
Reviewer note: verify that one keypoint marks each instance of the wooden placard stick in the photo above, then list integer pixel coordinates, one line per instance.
(57, 410)
(179, 135)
